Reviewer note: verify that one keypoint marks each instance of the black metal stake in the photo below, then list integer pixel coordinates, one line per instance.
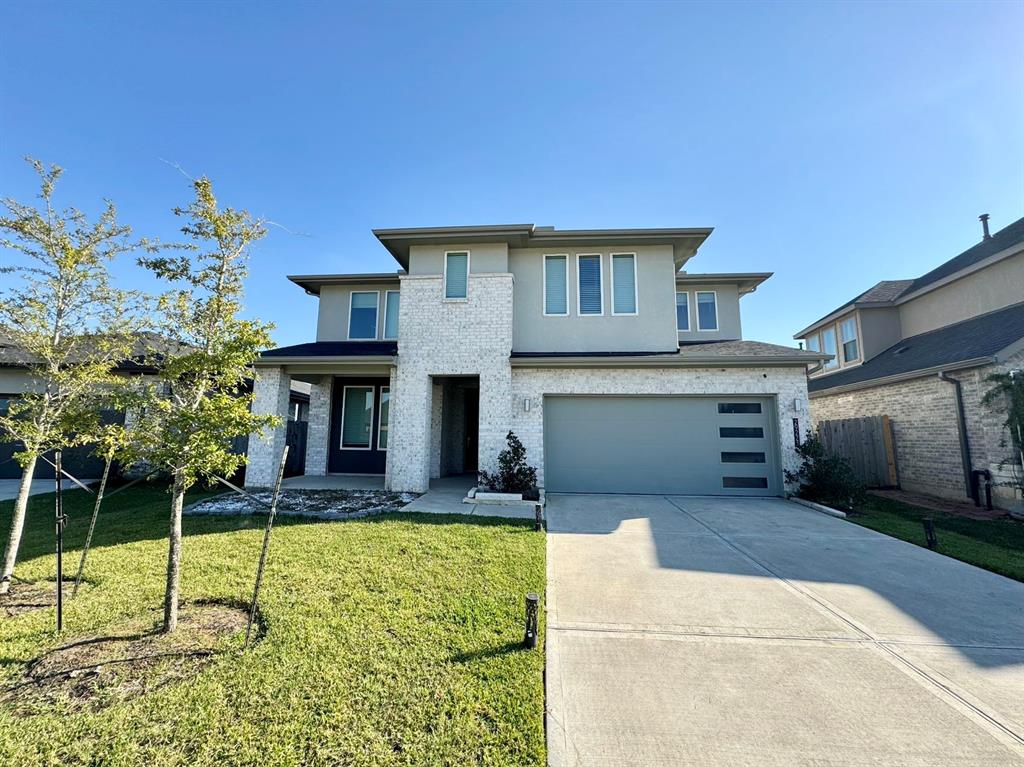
(532, 610)
(929, 533)
(60, 520)
(538, 523)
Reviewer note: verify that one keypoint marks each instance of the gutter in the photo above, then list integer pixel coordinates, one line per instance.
(961, 427)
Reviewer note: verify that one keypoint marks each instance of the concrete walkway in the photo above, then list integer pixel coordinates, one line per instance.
(445, 497)
(699, 631)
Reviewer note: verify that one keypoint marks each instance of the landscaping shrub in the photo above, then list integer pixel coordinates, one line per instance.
(514, 474)
(827, 479)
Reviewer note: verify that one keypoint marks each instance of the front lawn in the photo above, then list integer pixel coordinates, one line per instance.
(996, 545)
(391, 640)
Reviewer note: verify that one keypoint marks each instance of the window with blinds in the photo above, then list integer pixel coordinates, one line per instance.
(391, 315)
(556, 285)
(707, 310)
(623, 283)
(682, 311)
(588, 270)
(357, 417)
(456, 275)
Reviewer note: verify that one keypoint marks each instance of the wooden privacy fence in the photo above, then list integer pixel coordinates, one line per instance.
(867, 443)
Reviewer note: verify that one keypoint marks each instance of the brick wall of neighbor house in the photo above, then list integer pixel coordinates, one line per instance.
(923, 413)
(318, 432)
(443, 338)
(789, 385)
(270, 395)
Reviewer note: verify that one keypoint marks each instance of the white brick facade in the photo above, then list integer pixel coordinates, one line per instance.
(318, 432)
(270, 395)
(439, 337)
(788, 385)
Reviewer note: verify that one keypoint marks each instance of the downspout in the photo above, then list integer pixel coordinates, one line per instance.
(961, 427)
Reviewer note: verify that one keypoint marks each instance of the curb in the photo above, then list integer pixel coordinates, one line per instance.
(819, 508)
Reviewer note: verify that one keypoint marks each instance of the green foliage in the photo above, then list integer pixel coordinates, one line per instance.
(186, 420)
(63, 313)
(390, 641)
(1006, 397)
(514, 475)
(826, 479)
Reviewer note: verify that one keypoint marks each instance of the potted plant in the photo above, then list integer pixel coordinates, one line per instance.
(514, 481)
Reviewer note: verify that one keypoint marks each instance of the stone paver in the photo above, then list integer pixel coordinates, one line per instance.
(686, 631)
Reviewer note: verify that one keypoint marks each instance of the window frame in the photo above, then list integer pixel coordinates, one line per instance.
(842, 340)
(380, 415)
(444, 283)
(544, 285)
(689, 325)
(834, 363)
(696, 304)
(384, 328)
(376, 316)
(636, 285)
(341, 424)
(600, 283)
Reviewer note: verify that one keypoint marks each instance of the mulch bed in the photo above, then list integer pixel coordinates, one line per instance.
(92, 672)
(318, 504)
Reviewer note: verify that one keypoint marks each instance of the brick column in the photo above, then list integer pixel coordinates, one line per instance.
(270, 392)
(409, 439)
(318, 433)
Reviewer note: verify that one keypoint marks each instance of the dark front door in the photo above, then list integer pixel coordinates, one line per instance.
(360, 412)
(472, 438)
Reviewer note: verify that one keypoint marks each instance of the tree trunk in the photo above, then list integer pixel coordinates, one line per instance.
(174, 557)
(17, 525)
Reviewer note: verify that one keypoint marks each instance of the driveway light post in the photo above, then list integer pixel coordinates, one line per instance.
(532, 605)
(929, 533)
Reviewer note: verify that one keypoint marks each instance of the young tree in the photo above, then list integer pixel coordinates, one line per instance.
(68, 320)
(202, 400)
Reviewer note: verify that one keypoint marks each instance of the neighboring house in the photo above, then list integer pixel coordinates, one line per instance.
(618, 372)
(919, 351)
(16, 378)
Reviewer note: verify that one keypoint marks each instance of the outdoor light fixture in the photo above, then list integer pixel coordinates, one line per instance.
(526, 404)
(532, 608)
(798, 404)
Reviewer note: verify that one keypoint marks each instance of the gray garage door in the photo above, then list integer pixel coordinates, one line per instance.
(662, 445)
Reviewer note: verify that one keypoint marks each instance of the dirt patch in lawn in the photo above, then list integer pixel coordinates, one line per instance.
(93, 672)
(25, 596)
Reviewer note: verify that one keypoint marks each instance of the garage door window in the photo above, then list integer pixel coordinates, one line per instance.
(735, 408)
(748, 483)
(742, 457)
(741, 432)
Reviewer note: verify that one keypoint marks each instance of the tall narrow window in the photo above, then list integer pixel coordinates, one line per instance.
(385, 415)
(391, 314)
(623, 283)
(828, 342)
(362, 315)
(556, 285)
(813, 344)
(356, 417)
(682, 311)
(588, 270)
(707, 311)
(848, 328)
(456, 274)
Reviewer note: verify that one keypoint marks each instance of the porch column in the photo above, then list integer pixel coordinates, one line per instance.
(409, 431)
(270, 396)
(318, 432)
(495, 414)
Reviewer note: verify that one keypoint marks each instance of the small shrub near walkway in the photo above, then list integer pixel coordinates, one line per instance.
(391, 640)
(994, 544)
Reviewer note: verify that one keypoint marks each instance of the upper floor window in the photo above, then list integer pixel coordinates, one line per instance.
(391, 315)
(456, 274)
(848, 329)
(828, 342)
(813, 344)
(362, 315)
(556, 286)
(591, 292)
(682, 311)
(707, 310)
(624, 283)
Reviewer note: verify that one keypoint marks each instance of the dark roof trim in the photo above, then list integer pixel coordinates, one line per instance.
(312, 283)
(747, 282)
(533, 355)
(336, 349)
(899, 377)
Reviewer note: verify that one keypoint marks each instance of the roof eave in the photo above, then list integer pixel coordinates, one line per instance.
(907, 376)
(371, 359)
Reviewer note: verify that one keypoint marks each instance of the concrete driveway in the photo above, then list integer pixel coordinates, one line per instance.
(712, 631)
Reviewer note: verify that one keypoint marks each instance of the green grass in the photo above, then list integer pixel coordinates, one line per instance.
(996, 545)
(390, 641)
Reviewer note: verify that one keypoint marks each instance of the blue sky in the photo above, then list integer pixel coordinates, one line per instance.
(834, 144)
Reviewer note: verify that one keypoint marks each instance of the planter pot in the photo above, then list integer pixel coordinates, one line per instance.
(504, 499)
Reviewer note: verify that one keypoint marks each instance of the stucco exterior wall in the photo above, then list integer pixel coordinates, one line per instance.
(484, 258)
(879, 329)
(333, 314)
(994, 287)
(651, 329)
(924, 418)
(727, 298)
(439, 337)
(788, 385)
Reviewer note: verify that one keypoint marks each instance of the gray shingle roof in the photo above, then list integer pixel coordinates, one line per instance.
(1006, 237)
(982, 336)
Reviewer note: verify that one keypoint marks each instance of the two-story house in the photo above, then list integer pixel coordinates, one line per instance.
(618, 371)
(919, 351)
